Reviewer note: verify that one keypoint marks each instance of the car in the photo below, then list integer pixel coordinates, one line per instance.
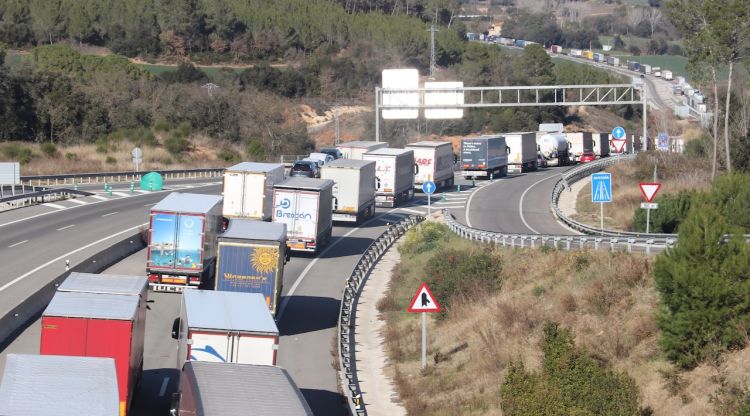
(323, 158)
(541, 161)
(336, 153)
(587, 157)
(305, 168)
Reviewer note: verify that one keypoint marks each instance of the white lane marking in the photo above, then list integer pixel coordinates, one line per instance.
(141, 191)
(121, 194)
(150, 205)
(413, 211)
(468, 205)
(78, 201)
(18, 243)
(66, 227)
(520, 202)
(51, 205)
(163, 388)
(449, 204)
(319, 256)
(111, 213)
(92, 203)
(67, 255)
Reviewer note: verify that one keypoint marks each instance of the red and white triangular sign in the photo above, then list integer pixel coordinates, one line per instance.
(618, 145)
(649, 190)
(424, 300)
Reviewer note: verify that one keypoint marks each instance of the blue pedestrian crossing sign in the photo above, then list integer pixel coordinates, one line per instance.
(618, 133)
(601, 187)
(428, 187)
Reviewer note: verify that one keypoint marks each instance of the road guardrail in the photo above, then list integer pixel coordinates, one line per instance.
(347, 316)
(38, 196)
(81, 178)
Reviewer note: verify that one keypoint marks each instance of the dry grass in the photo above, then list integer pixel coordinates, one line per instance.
(607, 300)
(203, 153)
(675, 172)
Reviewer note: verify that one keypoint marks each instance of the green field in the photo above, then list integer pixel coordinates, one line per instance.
(674, 63)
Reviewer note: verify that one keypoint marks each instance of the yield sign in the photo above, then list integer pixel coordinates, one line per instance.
(618, 145)
(424, 300)
(649, 190)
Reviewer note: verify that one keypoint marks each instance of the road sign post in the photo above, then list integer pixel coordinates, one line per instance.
(429, 187)
(649, 190)
(424, 302)
(137, 155)
(601, 192)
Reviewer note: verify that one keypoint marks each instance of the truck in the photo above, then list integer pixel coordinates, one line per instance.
(667, 74)
(588, 55)
(484, 156)
(355, 149)
(354, 185)
(182, 241)
(576, 53)
(228, 389)
(599, 57)
(395, 170)
(519, 43)
(646, 69)
(579, 142)
(554, 148)
(435, 162)
(523, 151)
(656, 70)
(613, 61)
(305, 205)
(248, 189)
(634, 66)
(98, 325)
(54, 385)
(226, 327)
(251, 258)
(601, 144)
(556, 49)
(108, 283)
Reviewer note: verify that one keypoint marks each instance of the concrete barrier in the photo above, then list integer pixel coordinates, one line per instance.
(18, 318)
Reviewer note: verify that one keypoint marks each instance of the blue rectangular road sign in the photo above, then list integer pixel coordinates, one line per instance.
(601, 187)
(662, 141)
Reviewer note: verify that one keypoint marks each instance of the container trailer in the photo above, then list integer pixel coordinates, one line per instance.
(354, 185)
(523, 151)
(248, 189)
(435, 162)
(305, 205)
(484, 156)
(395, 170)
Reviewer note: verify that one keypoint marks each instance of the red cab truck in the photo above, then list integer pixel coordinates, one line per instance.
(98, 325)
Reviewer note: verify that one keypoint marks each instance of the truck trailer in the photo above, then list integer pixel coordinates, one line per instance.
(579, 142)
(98, 325)
(227, 389)
(354, 185)
(484, 156)
(182, 241)
(601, 144)
(435, 162)
(251, 259)
(225, 327)
(523, 151)
(305, 205)
(55, 385)
(248, 190)
(355, 149)
(395, 170)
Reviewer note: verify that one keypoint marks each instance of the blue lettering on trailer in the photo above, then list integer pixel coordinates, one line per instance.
(293, 215)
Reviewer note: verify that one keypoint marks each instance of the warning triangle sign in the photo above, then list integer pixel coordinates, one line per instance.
(649, 190)
(424, 300)
(619, 145)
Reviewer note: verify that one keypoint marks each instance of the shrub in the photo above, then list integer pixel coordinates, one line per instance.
(49, 149)
(570, 382)
(255, 150)
(162, 125)
(699, 147)
(176, 144)
(17, 153)
(183, 130)
(111, 160)
(71, 156)
(228, 155)
(426, 237)
(672, 211)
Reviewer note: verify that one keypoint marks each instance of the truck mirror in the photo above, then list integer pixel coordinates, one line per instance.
(335, 203)
(174, 408)
(416, 169)
(455, 158)
(287, 256)
(507, 150)
(176, 328)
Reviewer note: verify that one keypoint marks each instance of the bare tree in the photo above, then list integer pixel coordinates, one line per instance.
(634, 17)
(653, 16)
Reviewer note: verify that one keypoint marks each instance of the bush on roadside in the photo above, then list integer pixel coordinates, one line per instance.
(228, 155)
(570, 382)
(672, 211)
(49, 149)
(176, 144)
(255, 150)
(18, 153)
(425, 237)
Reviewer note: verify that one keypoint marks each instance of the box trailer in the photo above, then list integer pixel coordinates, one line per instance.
(355, 149)
(522, 156)
(484, 156)
(182, 241)
(53, 385)
(556, 49)
(435, 162)
(613, 61)
(600, 144)
(354, 185)
(667, 74)
(599, 57)
(229, 327)
(395, 170)
(251, 259)
(98, 325)
(227, 389)
(305, 205)
(646, 69)
(113, 284)
(248, 189)
(579, 142)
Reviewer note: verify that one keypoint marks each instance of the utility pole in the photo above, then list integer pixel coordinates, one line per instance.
(432, 31)
(337, 139)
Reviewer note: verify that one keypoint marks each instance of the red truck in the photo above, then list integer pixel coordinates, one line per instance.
(88, 324)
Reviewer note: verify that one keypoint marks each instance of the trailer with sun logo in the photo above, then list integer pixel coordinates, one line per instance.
(251, 258)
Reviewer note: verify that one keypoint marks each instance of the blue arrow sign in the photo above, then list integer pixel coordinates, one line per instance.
(428, 187)
(618, 133)
(601, 187)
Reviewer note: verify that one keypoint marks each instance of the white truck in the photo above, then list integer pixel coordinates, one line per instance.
(356, 149)
(394, 169)
(523, 151)
(554, 147)
(435, 162)
(228, 389)
(354, 185)
(248, 189)
(667, 74)
(305, 205)
(579, 142)
(230, 327)
(600, 144)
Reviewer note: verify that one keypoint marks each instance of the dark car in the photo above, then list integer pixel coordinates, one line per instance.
(336, 153)
(305, 168)
(588, 157)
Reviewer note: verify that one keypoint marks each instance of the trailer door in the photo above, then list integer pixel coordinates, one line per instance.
(233, 193)
(254, 195)
(255, 349)
(163, 242)
(214, 347)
